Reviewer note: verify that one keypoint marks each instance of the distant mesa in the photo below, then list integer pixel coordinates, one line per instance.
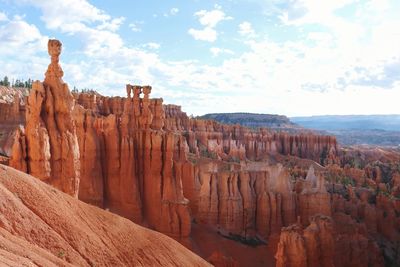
(375, 130)
(255, 120)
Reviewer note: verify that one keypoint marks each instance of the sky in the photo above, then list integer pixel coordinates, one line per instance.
(296, 57)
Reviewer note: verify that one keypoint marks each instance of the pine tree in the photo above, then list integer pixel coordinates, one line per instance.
(6, 82)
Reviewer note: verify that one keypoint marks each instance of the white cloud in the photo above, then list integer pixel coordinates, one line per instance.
(17, 33)
(207, 34)
(352, 68)
(209, 19)
(20, 42)
(312, 11)
(174, 11)
(152, 45)
(246, 29)
(94, 27)
(135, 26)
(67, 12)
(112, 25)
(216, 51)
(3, 17)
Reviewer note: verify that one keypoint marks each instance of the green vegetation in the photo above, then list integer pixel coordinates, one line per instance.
(253, 120)
(83, 91)
(347, 181)
(208, 154)
(341, 179)
(61, 254)
(225, 168)
(388, 194)
(16, 83)
(324, 155)
(252, 242)
(5, 81)
(193, 160)
(355, 162)
(234, 159)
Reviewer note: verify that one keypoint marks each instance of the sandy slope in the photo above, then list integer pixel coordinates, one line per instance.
(41, 226)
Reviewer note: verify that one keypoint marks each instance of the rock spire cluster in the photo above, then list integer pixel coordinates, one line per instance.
(153, 164)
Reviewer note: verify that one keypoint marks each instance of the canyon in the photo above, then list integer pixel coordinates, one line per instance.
(233, 195)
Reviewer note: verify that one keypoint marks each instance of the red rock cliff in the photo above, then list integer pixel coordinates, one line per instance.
(129, 164)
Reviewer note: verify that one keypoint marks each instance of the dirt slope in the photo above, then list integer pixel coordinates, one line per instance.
(41, 226)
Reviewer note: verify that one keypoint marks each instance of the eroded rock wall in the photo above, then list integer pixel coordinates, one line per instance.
(234, 142)
(129, 165)
(252, 200)
(143, 147)
(326, 242)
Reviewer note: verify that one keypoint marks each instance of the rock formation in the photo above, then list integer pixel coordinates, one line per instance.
(313, 199)
(51, 140)
(311, 247)
(12, 111)
(245, 202)
(316, 245)
(156, 166)
(12, 119)
(132, 158)
(109, 152)
(129, 164)
(233, 142)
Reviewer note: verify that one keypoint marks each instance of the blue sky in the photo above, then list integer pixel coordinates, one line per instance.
(297, 57)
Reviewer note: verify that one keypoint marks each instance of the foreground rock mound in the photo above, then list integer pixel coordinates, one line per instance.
(41, 226)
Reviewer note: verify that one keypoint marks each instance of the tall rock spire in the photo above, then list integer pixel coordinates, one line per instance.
(54, 72)
(52, 144)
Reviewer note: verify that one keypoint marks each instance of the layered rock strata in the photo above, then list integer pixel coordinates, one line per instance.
(235, 142)
(153, 164)
(129, 165)
(255, 200)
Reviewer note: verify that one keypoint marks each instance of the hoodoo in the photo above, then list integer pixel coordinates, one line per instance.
(51, 140)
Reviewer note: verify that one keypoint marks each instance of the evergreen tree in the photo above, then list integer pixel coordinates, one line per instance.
(16, 83)
(6, 82)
